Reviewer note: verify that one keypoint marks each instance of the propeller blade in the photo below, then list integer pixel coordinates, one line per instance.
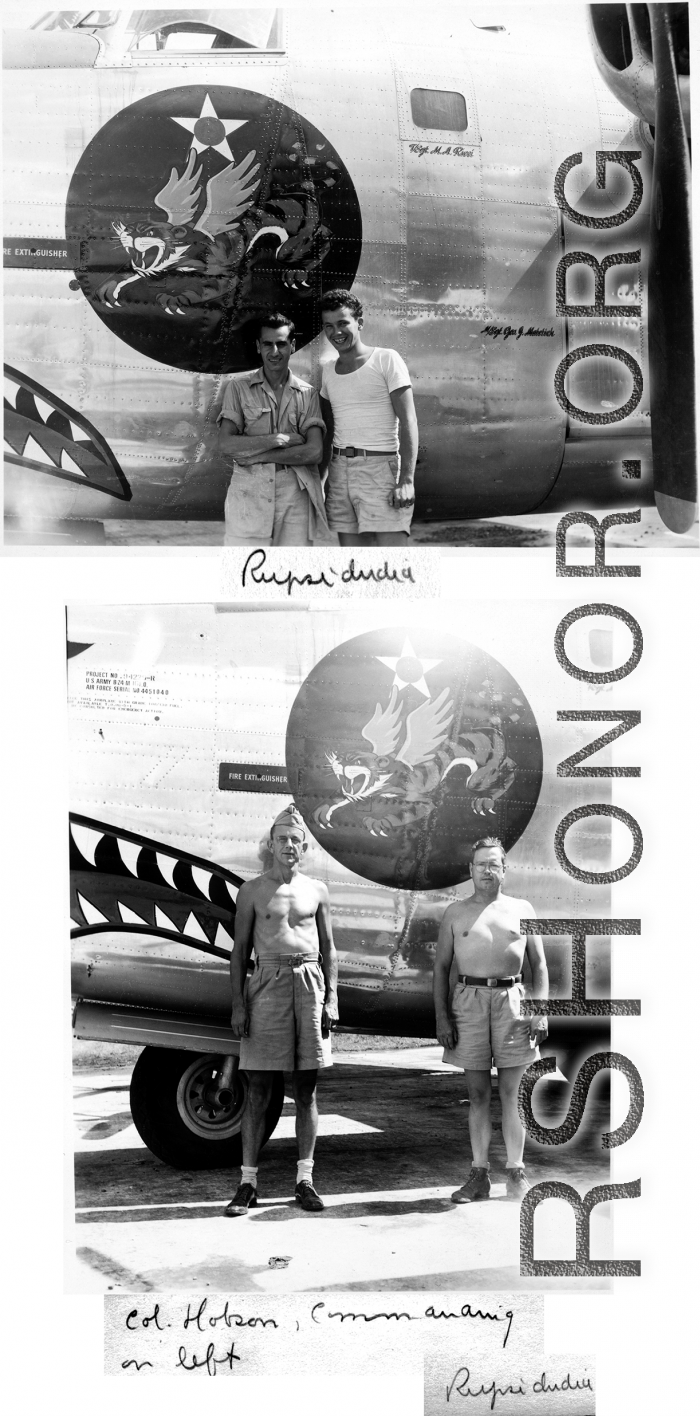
(671, 355)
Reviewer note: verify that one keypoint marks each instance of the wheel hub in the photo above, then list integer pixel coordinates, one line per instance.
(208, 1110)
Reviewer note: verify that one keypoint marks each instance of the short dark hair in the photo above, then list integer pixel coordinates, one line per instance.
(274, 319)
(486, 843)
(339, 300)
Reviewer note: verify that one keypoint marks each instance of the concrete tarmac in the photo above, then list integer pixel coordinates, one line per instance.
(393, 1145)
(535, 529)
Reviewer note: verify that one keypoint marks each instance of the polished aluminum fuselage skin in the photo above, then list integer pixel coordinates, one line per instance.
(220, 686)
(461, 232)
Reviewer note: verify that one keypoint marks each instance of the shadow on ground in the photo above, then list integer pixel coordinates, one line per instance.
(421, 1142)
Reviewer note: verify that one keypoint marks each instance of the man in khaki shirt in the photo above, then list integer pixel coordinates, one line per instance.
(271, 424)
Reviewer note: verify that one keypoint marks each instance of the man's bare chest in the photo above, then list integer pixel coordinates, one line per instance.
(495, 925)
(291, 907)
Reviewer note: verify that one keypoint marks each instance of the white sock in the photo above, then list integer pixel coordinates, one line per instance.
(249, 1175)
(304, 1170)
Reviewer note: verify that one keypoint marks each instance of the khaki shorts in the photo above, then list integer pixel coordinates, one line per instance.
(243, 512)
(489, 1026)
(357, 495)
(284, 1002)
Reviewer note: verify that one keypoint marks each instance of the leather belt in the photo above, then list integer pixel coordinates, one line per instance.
(294, 960)
(362, 452)
(490, 982)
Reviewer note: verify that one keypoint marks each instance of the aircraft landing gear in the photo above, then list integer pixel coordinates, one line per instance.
(187, 1108)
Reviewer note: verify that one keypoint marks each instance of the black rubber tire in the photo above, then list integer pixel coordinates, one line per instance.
(162, 1096)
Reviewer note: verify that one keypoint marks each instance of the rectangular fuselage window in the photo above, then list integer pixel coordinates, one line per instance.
(439, 108)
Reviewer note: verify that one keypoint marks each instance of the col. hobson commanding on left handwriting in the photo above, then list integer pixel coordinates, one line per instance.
(271, 422)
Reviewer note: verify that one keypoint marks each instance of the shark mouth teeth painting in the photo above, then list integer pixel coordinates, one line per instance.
(124, 882)
(404, 748)
(46, 435)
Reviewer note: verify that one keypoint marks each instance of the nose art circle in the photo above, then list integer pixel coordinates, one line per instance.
(382, 742)
(254, 206)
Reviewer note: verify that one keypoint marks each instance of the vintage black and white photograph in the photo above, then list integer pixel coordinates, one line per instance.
(349, 574)
(371, 805)
(245, 247)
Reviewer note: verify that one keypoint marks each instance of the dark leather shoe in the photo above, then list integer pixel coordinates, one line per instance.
(306, 1196)
(245, 1198)
(476, 1187)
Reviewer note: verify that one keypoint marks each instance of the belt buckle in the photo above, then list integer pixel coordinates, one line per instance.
(351, 452)
(491, 982)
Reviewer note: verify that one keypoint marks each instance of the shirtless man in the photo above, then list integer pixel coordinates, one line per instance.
(482, 933)
(286, 1010)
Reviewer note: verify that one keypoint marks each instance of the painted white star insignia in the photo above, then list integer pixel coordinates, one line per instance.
(211, 131)
(413, 668)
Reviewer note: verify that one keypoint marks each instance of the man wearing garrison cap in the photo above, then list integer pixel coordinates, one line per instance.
(284, 1012)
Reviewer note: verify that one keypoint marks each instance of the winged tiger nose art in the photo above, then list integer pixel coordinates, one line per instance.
(195, 209)
(404, 747)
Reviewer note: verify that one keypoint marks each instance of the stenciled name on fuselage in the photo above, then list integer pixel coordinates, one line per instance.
(517, 332)
(440, 150)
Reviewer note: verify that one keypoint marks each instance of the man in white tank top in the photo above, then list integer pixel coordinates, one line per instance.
(482, 1023)
(371, 441)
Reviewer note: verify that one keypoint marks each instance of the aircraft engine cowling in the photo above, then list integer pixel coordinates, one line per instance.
(622, 47)
(642, 52)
